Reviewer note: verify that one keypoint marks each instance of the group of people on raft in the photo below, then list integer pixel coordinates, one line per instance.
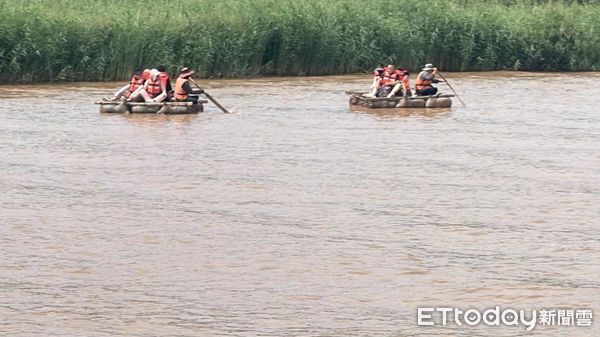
(391, 81)
(154, 85)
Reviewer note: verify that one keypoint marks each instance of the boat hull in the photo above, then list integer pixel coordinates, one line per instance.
(152, 108)
(418, 102)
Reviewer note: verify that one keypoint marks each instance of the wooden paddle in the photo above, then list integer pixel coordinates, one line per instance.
(448, 83)
(210, 97)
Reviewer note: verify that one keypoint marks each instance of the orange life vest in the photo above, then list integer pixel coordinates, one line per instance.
(388, 77)
(136, 82)
(180, 93)
(421, 84)
(153, 88)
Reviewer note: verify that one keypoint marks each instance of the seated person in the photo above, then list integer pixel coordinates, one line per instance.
(153, 90)
(393, 81)
(164, 77)
(376, 79)
(136, 82)
(425, 79)
(183, 89)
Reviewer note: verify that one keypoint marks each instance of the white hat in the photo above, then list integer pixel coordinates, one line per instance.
(154, 72)
(428, 66)
(185, 72)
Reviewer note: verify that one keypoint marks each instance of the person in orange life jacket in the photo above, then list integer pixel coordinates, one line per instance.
(183, 90)
(135, 82)
(392, 81)
(153, 89)
(425, 79)
(164, 77)
(135, 96)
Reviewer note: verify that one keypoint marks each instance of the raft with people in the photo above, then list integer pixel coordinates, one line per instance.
(391, 89)
(150, 91)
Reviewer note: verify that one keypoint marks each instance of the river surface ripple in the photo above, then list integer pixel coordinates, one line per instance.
(296, 216)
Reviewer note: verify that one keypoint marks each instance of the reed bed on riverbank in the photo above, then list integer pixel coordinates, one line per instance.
(44, 40)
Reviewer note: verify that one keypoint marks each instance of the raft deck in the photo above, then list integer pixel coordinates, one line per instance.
(434, 101)
(153, 107)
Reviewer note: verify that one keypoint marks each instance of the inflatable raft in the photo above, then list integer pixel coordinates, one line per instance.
(151, 108)
(435, 101)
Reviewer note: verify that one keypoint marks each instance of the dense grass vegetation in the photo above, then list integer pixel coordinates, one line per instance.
(49, 40)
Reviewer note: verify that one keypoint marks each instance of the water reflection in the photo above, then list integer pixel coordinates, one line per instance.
(155, 119)
(395, 113)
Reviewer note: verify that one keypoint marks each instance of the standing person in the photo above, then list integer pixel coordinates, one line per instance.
(183, 89)
(164, 78)
(136, 82)
(153, 89)
(425, 79)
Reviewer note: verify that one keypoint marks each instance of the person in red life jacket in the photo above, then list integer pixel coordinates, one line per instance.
(136, 96)
(405, 83)
(424, 80)
(153, 89)
(379, 71)
(183, 89)
(165, 79)
(136, 82)
(392, 81)
(376, 79)
(146, 74)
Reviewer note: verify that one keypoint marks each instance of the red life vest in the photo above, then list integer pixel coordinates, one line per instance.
(136, 82)
(164, 78)
(153, 87)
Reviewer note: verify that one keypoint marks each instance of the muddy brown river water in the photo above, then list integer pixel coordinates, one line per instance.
(296, 216)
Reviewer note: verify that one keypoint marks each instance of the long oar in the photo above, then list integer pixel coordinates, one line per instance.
(210, 97)
(448, 83)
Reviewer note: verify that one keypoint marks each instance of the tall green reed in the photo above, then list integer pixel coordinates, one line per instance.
(62, 40)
